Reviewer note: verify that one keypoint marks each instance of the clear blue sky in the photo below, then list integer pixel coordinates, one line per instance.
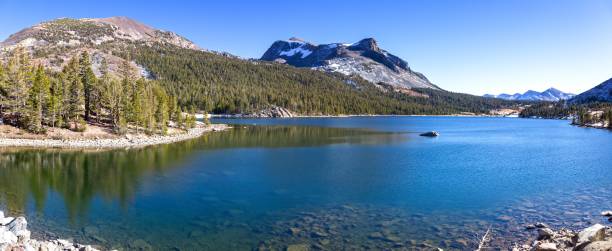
(477, 47)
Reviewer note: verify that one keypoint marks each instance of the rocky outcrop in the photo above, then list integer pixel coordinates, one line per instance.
(14, 235)
(53, 43)
(594, 238)
(364, 58)
(273, 112)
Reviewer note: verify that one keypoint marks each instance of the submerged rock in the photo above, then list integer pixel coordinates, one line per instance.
(294, 231)
(298, 247)
(14, 235)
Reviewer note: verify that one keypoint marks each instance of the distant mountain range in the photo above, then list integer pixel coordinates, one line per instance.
(599, 93)
(550, 94)
(364, 58)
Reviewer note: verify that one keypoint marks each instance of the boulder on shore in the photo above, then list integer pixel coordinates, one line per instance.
(273, 112)
(14, 235)
(597, 237)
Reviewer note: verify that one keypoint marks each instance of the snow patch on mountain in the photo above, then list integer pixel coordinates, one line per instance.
(363, 58)
(550, 94)
(299, 50)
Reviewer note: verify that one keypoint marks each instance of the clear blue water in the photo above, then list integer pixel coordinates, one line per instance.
(340, 183)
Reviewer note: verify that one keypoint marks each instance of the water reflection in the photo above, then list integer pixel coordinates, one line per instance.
(78, 177)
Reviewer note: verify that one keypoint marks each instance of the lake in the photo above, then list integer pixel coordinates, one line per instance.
(328, 183)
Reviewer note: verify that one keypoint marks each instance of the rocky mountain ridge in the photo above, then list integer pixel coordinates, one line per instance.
(94, 31)
(364, 58)
(599, 93)
(550, 94)
(53, 43)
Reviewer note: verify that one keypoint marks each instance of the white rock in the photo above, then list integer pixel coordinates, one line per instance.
(6, 221)
(23, 236)
(599, 246)
(546, 246)
(64, 243)
(606, 213)
(593, 233)
(7, 237)
(17, 225)
(545, 233)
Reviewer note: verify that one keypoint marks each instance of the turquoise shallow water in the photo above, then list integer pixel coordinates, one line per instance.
(329, 183)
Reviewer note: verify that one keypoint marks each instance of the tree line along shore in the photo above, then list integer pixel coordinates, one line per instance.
(36, 99)
(593, 114)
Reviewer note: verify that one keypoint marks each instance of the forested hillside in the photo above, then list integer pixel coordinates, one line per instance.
(581, 114)
(205, 81)
(221, 84)
(34, 98)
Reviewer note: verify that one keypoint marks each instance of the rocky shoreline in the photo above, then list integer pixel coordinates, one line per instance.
(594, 238)
(128, 141)
(14, 235)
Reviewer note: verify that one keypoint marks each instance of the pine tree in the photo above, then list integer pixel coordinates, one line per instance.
(190, 121)
(115, 99)
(76, 99)
(55, 104)
(128, 88)
(37, 98)
(161, 111)
(3, 89)
(88, 78)
(138, 114)
(100, 91)
(178, 116)
(18, 79)
(172, 107)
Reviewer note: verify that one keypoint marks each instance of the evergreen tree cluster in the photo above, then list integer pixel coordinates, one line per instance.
(34, 99)
(582, 114)
(221, 84)
(548, 110)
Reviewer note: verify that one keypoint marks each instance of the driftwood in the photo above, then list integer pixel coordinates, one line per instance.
(484, 240)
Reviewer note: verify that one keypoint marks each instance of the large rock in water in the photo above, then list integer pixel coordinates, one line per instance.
(273, 112)
(430, 134)
(599, 246)
(591, 234)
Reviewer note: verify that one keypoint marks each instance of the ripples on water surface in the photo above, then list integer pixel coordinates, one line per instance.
(329, 183)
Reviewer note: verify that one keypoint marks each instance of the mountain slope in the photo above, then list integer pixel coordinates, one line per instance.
(54, 42)
(229, 85)
(363, 58)
(215, 82)
(92, 31)
(550, 94)
(599, 93)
